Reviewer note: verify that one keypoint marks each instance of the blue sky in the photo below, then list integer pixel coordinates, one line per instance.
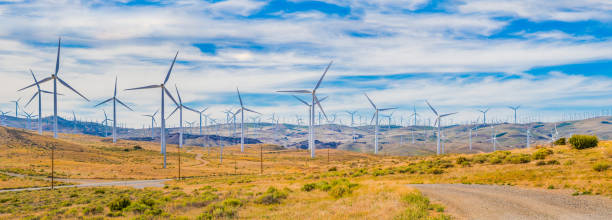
(551, 57)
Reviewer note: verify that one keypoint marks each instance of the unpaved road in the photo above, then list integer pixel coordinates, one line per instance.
(507, 202)
(139, 184)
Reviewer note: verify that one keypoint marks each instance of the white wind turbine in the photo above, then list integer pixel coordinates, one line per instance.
(180, 107)
(315, 101)
(29, 118)
(414, 123)
(484, 115)
(152, 122)
(105, 123)
(38, 93)
(310, 119)
(439, 122)
(16, 107)
(375, 117)
(241, 110)
(200, 113)
(56, 78)
(352, 113)
(514, 108)
(115, 101)
(164, 91)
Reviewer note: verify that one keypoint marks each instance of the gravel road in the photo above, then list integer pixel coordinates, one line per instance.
(507, 202)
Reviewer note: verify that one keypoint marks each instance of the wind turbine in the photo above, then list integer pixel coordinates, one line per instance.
(484, 115)
(514, 108)
(4, 114)
(164, 92)
(315, 101)
(115, 101)
(439, 122)
(310, 119)
(206, 119)
(180, 107)
(39, 94)
(241, 110)
(56, 78)
(152, 122)
(376, 111)
(29, 118)
(415, 114)
(16, 107)
(494, 139)
(352, 113)
(105, 123)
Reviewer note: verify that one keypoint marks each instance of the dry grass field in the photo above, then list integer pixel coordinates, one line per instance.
(343, 185)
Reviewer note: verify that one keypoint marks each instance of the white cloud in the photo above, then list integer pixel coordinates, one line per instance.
(561, 10)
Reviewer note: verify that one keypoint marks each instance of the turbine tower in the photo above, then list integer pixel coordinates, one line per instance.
(241, 110)
(115, 101)
(201, 113)
(152, 122)
(315, 101)
(180, 107)
(352, 113)
(164, 91)
(514, 108)
(414, 123)
(376, 111)
(16, 107)
(310, 120)
(56, 78)
(484, 115)
(439, 122)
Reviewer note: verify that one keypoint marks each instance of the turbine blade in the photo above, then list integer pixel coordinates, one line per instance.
(449, 114)
(105, 101)
(373, 116)
(321, 79)
(203, 110)
(239, 98)
(35, 84)
(385, 109)
(319, 104)
(190, 109)
(124, 105)
(34, 96)
(145, 87)
(432, 108)
(115, 94)
(296, 91)
(59, 43)
(171, 66)
(249, 110)
(170, 95)
(239, 110)
(366, 95)
(178, 94)
(35, 81)
(173, 112)
(155, 113)
(48, 92)
(323, 99)
(74, 90)
(298, 98)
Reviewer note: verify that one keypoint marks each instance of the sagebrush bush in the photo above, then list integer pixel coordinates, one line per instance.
(579, 141)
(560, 141)
(271, 196)
(541, 153)
(601, 166)
(518, 158)
(119, 204)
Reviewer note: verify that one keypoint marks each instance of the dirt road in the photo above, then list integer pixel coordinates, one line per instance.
(506, 202)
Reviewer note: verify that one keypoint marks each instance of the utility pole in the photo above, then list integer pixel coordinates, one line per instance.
(52, 165)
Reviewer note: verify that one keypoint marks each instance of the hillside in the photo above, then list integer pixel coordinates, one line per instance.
(288, 175)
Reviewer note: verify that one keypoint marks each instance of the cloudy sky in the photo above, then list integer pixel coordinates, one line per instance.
(551, 57)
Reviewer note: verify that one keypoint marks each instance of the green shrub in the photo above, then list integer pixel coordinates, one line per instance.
(271, 196)
(601, 166)
(461, 160)
(540, 163)
(119, 204)
(553, 162)
(308, 187)
(518, 158)
(333, 169)
(481, 158)
(560, 141)
(541, 153)
(494, 160)
(418, 206)
(583, 141)
(93, 209)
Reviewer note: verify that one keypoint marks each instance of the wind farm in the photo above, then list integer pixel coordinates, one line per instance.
(305, 110)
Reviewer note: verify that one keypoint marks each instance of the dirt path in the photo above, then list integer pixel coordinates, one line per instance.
(198, 157)
(139, 184)
(506, 202)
